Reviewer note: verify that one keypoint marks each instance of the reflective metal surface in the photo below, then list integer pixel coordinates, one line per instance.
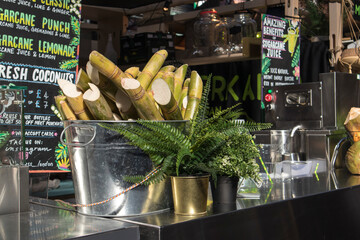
(286, 209)
(43, 222)
(14, 189)
(100, 158)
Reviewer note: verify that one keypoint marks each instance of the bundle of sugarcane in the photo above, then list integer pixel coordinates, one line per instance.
(105, 92)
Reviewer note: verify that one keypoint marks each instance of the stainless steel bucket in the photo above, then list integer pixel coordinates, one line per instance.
(99, 159)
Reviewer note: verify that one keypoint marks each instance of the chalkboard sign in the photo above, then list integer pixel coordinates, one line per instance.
(39, 43)
(280, 51)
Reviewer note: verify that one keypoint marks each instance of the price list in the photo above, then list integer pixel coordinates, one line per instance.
(39, 44)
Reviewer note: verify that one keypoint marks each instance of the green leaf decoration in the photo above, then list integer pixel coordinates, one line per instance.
(296, 57)
(69, 64)
(75, 25)
(4, 138)
(265, 65)
(61, 151)
(75, 41)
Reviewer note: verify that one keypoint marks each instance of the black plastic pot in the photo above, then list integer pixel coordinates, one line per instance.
(225, 190)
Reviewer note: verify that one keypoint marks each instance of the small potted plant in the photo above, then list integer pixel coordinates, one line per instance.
(235, 160)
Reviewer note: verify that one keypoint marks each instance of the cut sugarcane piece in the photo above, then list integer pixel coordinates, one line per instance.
(132, 72)
(58, 99)
(68, 112)
(144, 104)
(163, 71)
(165, 99)
(125, 106)
(65, 111)
(168, 77)
(75, 99)
(106, 86)
(151, 68)
(352, 123)
(179, 77)
(167, 68)
(184, 103)
(82, 80)
(194, 95)
(97, 104)
(184, 92)
(107, 67)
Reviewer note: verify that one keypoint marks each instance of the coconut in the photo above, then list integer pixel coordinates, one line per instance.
(352, 158)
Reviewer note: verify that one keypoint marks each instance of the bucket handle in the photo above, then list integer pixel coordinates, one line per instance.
(77, 144)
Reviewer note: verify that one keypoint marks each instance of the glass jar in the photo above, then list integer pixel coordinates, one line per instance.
(222, 40)
(244, 26)
(204, 28)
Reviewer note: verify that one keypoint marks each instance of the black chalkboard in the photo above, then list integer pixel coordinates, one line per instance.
(39, 43)
(280, 51)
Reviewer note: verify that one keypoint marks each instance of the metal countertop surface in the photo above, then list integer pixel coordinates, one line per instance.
(45, 222)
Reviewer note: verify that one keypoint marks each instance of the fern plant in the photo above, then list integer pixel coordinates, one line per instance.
(188, 148)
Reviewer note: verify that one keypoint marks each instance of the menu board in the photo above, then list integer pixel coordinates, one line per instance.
(280, 51)
(39, 43)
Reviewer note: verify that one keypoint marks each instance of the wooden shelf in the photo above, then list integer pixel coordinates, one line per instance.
(217, 59)
(89, 26)
(228, 9)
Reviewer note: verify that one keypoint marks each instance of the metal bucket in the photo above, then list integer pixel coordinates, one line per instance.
(99, 159)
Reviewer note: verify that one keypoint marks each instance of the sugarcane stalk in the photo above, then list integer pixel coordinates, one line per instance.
(58, 99)
(165, 99)
(184, 92)
(106, 86)
(167, 68)
(64, 109)
(107, 68)
(75, 99)
(82, 80)
(132, 72)
(194, 95)
(143, 103)
(151, 68)
(97, 104)
(184, 103)
(179, 77)
(68, 112)
(126, 108)
(168, 77)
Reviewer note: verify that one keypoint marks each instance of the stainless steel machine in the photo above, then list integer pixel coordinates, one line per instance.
(308, 119)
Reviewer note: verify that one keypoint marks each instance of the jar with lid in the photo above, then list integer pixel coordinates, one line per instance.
(222, 40)
(244, 26)
(204, 29)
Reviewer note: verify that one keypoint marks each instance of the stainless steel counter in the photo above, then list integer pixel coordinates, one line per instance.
(311, 207)
(302, 208)
(52, 223)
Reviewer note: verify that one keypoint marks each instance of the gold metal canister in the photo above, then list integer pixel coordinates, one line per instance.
(190, 194)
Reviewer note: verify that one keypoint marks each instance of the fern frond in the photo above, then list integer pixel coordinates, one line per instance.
(166, 132)
(254, 126)
(184, 152)
(204, 102)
